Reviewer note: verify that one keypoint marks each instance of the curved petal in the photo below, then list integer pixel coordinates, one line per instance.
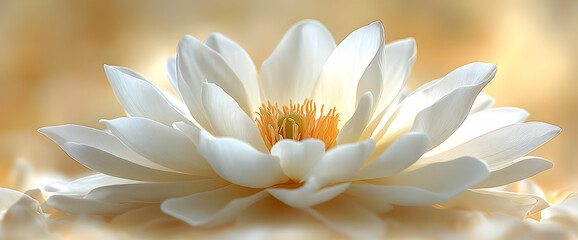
(140, 98)
(399, 58)
(297, 158)
(110, 164)
(345, 67)
(352, 219)
(401, 154)
(482, 102)
(352, 130)
(515, 171)
(487, 200)
(153, 192)
(292, 70)
(171, 69)
(340, 163)
(239, 163)
(429, 185)
(212, 208)
(86, 184)
(82, 206)
(502, 145)
(97, 139)
(311, 193)
(439, 108)
(161, 144)
(227, 118)
(9, 197)
(481, 123)
(240, 62)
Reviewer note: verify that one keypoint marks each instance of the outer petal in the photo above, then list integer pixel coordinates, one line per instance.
(163, 145)
(429, 185)
(227, 118)
(352, 130)
(153, 192)
(481, 123)
(439, 108)
(515, 171)
(110, 164)
(240, 62)
(171, 69)
(311, 193)
(86, 184)
(297, 158)
(240, 163)
(214, 207)
(82, 206)
(340, 163)
(140, 98)
(487, 200)
(502, 145)
(345, 67)
(399, 155)
(351, 218)
(292, 70)
(97, 139)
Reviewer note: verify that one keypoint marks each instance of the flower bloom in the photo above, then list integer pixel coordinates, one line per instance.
(325, 129)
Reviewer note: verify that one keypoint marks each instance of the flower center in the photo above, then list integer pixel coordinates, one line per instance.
(297, 122)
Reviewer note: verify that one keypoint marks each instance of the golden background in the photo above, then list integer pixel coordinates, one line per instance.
(52, 55)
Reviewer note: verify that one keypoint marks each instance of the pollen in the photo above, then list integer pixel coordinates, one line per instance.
(297, 122)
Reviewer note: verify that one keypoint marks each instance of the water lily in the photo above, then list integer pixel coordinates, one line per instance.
(324, 129)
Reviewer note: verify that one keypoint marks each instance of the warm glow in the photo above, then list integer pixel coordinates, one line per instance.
(297, 122)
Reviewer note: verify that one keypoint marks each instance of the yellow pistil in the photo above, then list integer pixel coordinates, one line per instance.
(297, 122)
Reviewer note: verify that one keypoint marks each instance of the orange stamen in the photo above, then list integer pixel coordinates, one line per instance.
(297, 122)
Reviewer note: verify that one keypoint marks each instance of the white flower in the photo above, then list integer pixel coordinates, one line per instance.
(237, 139)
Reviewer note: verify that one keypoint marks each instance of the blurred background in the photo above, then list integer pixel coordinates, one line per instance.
(52, 55)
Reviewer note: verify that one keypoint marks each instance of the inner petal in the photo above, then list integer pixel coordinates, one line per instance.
(297, 122)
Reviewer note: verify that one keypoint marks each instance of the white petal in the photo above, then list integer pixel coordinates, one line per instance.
(240, 62)
(239, 163)
(227, 118)
(297, 158)
(171, 69)
(9, 197)
(161, 144)
(153, 192)
(399, 58)
(429, 185)
(349, 218)
(82, 206)
(340, 163)
(399, 155)
(482, 102)
(502, 145)
(191, 131)
(110, 164)
(352, 130)
(292, 70)
(97, 139)
(196, 64)
(140, 98)
(311, 193)
(439, 108)
(214, 207)
(346, 65)
(86, 184)
(481, 123)
(487, 200)
(515, 171)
